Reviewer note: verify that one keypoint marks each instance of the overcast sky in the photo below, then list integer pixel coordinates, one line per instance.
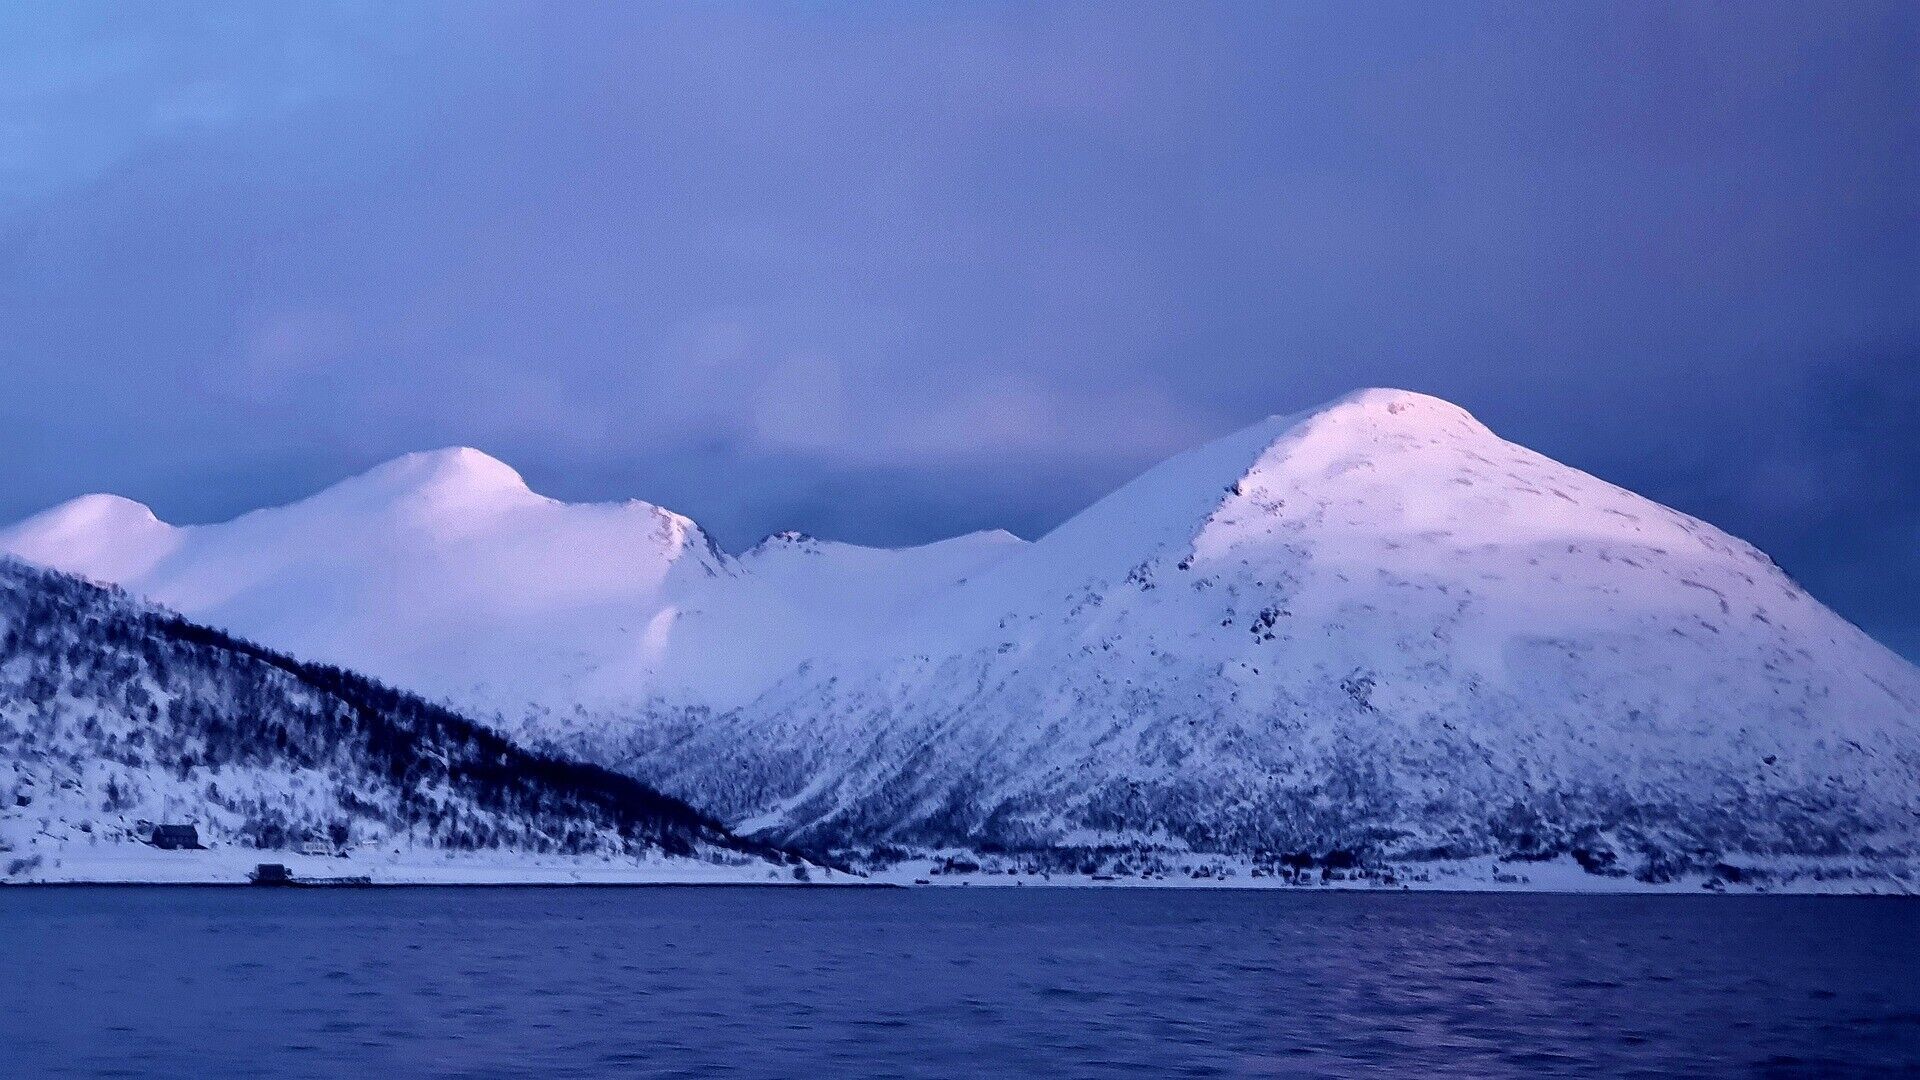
(889, 273)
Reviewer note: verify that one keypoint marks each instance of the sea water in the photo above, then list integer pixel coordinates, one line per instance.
(1058, 983)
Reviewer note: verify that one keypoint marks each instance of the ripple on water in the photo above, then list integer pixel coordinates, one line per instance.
(215, 984)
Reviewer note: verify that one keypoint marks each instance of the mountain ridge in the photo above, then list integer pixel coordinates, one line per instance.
(443, 571)
(1372, 627)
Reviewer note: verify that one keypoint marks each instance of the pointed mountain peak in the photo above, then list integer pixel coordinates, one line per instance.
(985, 539)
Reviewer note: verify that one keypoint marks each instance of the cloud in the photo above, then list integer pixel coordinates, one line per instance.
(800, 407)
(890, 274)
(89, 89)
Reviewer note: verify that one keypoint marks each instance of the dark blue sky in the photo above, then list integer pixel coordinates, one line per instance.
(885, 273)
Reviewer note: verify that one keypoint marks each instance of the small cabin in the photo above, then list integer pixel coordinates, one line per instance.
(271, 873)
(315, 847)
(176, 837)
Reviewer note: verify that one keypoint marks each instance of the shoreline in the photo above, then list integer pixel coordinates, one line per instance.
(376, 885)
(863, 885)
(1692, 887)
(116, 865)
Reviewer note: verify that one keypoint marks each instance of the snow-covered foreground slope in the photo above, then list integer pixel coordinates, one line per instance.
(115, 716)
(1373, 633)
(443, 573)
(1375, 628)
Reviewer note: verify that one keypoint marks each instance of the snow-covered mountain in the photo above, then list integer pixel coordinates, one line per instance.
(1373, 631)
(115, 716)
(1376, 628)
(443, 573)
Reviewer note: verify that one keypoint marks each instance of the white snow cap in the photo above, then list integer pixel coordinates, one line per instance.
(455, 480)
(103, 537)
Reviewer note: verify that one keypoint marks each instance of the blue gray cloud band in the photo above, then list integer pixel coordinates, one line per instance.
(886, 273)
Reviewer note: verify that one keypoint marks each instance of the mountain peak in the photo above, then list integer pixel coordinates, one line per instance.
(991, 536)
(451, 479)
(1358, 431)
(101, 509)
(461, 465)
(113, 537)
(1384, 407)
(1163, 507)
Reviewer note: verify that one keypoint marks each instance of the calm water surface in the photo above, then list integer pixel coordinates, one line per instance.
(1054, 983)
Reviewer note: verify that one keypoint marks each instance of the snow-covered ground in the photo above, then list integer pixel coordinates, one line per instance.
(1482, 874)
(107, 862)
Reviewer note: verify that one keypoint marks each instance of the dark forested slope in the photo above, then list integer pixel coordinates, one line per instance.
(114, 712)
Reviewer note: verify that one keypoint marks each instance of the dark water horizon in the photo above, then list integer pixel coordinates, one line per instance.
(1062, 983)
